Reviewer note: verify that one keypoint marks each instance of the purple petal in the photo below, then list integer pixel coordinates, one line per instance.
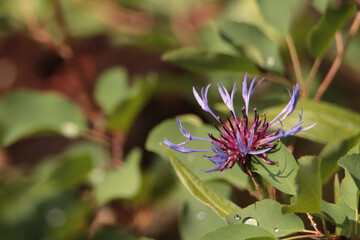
(182, 149)
(203, 102)
(187, 134)
(248, 92)
(240, 145)
(289, 107)
(227, 99)
(218, 160)
(260, 151)
(212, 170)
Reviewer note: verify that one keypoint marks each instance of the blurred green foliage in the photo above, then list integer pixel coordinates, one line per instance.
(63, 195)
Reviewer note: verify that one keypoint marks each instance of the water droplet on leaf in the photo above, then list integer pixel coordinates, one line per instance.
(69, 129)
(237, 217)
(251, 221)
(55, 217)
(97, 175)
(276, 230)
(201, 215)
(270, 61)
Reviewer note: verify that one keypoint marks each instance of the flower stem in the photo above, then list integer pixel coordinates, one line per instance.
(259, 184)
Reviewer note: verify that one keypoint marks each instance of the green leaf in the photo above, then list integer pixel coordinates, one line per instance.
(197, 218)
(121, 182)
(111, 88)
(201, 60)
(202, 191)
(334, 213)
(193, 161)
(308, 187)
(112, 233)
(267, 214)
(349, 229)
(124, 114)
(50, 178)
(320, 5)
(323, 32)
(333, 123)
(72, 170)
(256, 45)
(238, 232)
(278, 13)
(351, 163)
(282, 174)
(349, 191)
(26, 112)
(332, 152)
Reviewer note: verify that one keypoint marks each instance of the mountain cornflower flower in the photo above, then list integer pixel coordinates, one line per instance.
(240, 138)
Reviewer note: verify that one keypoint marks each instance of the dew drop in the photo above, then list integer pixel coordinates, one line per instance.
(237, 217)
(97, 175)
(315, 224)
(55, 217)
(69, 129)
(251, 221)
(276, 230)
(270, 61)
(201, 215)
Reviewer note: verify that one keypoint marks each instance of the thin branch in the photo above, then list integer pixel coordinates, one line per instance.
(117, 148)
(338, 60)
(295, 62)
(356, 221)
(309, 231)
(305, 236)
(313, 223)
(339, 43)
(312, 74)
(68, 54)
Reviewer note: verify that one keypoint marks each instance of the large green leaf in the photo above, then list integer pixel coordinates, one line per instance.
(254, 43)
(201, 60)
(278, 13)
(349, 229)
(26, 112)
(238, 232)
(193, 161)
(333, 122)
(125, 112)
(267, 214)
(320, 5)
(111, 88)
(202, 191)
(351, 163)
(197, 218)
(323, 33)
(334, 213)
(349, 191)
(282, 174)
(332, 152)
(121, 182)
(308, 187)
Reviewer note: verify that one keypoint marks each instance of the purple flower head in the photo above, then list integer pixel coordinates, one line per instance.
(240, 138)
